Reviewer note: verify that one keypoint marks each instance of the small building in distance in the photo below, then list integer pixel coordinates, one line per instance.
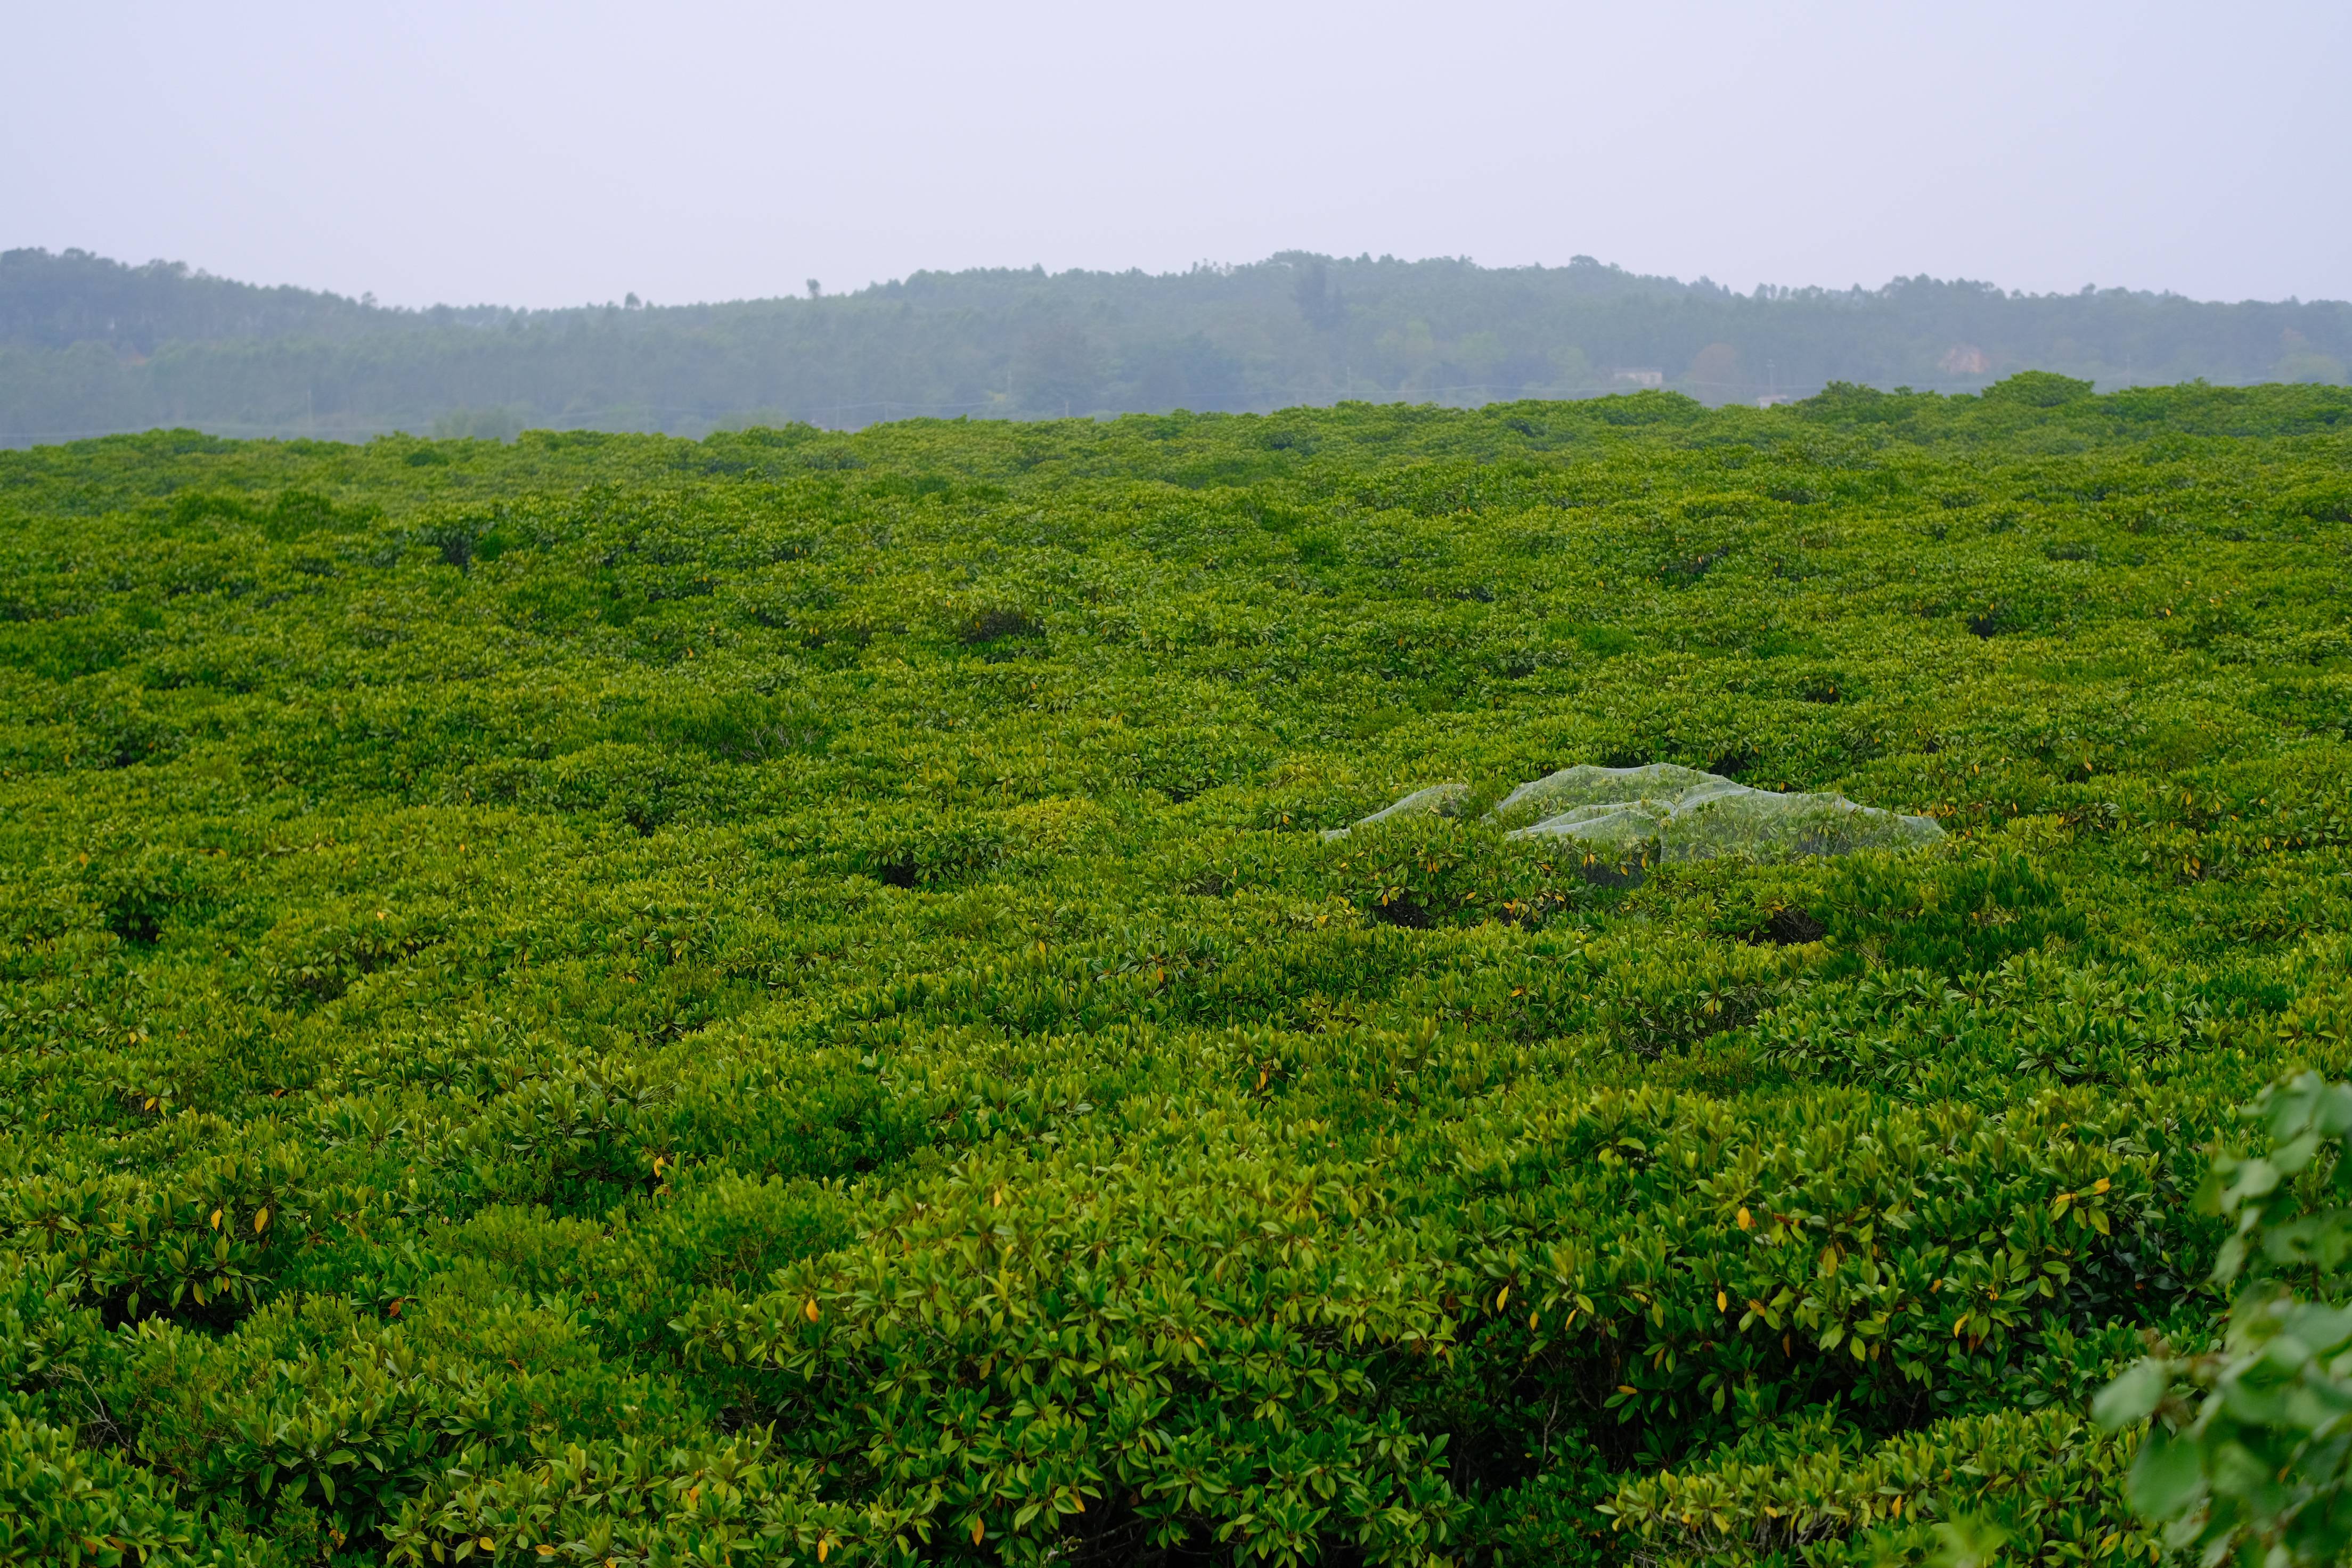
(1646, 378)
(1965, 359)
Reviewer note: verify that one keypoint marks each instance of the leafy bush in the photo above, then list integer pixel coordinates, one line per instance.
(1950, 917)
(2260, 1464)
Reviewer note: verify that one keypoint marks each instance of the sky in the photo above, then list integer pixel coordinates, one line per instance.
(472, 151)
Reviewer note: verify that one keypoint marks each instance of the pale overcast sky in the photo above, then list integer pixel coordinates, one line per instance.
(547, 153)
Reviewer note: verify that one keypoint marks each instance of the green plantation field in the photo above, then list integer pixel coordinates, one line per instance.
(783, 999)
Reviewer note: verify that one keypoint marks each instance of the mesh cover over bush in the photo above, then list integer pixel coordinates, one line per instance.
(1660, 813)
(1437, 800)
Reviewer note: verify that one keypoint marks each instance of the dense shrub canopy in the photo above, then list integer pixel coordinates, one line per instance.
(782, 998)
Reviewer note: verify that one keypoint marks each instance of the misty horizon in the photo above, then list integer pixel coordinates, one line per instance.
(1701, 282)
(539, 156)
(90, 346)
(1038, 211)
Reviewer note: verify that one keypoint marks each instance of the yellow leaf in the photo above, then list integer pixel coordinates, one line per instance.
(811, 1308)
(824, 1548)
(260, 1221)
(1627, 1388)
(1722, 1301)
(1746, 1221)
(978, 1530)
(216, 1219)
(544, 1550)
(1501, 1297)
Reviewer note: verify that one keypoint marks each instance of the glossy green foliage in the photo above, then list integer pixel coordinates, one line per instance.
(787, 998)
(2012, 1485)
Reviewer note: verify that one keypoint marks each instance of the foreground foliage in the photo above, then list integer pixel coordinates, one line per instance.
(785, 999)
(2256, 1469)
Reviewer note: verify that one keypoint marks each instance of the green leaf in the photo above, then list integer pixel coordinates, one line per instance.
(2134, 1395)
(2168, 1476)
(1967, 1541)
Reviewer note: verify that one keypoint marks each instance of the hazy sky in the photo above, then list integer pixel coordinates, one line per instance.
(543, 153)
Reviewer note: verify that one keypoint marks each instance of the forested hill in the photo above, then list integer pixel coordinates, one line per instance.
(89, 346)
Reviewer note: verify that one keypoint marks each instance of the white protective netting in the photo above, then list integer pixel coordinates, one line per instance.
(1661, 813)
(1437, 800)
